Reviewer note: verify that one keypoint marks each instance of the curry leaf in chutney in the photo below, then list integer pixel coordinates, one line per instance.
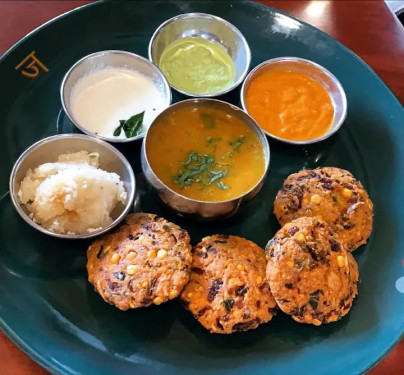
(132, 126)
(117, 131)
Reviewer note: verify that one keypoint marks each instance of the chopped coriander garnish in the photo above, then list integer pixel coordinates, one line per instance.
(203, 168)
(222, 186)
(210, 141)
(208, 120)
(199, 168)
(237, 143)
(216, 175)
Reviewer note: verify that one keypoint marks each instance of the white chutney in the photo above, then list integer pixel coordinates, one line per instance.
(102, 98)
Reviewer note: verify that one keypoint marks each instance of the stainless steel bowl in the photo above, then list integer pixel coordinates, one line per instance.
(206, 26)
(110, 59)
(314, 71)
(48, 149)
(196, 209)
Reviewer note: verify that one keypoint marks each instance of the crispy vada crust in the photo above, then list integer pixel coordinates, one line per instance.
(228, 291)
(311, 275)
(330, 194)
(145, 261)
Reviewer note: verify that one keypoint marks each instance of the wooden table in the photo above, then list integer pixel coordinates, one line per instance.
(365, 27)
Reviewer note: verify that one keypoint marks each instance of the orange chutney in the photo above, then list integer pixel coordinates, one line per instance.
(205, 154)
(289, 105)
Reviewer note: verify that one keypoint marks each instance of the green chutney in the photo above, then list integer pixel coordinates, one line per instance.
(197, 66)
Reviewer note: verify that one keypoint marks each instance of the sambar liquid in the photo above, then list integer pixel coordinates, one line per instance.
(209, 132)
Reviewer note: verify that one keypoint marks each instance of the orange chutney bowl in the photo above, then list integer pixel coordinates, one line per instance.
(294, 100)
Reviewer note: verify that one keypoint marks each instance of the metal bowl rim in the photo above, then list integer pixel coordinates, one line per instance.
(219, 19)
(340, 90)
(17, 204)
(265, 147)
(167, 89)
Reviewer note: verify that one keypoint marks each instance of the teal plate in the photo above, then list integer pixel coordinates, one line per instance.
(49, 309)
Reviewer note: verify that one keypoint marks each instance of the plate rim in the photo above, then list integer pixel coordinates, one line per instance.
(28, 350)
(253, 2)
(46, 23)
(56, 367)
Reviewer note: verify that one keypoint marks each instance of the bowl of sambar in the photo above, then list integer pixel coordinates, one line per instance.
(204, 158)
